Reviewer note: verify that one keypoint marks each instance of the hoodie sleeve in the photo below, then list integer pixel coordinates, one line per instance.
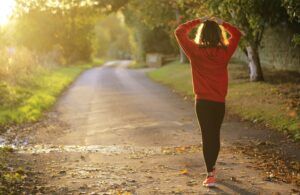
(235, 36)
(182, 36)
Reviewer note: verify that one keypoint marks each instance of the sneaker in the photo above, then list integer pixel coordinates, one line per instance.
(210, 180)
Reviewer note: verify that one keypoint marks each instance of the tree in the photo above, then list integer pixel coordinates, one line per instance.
(160, 17)
(42, 26)
(253, 16)
(113, 37)
(72, 25)
(293, 10)
(149, 22)
(152, 22)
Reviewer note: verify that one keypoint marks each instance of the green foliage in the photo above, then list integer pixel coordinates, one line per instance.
(3, 38)
(251, 16)
(96, 62)
(136, 65)
(113, 37)
(152, 24)
(193, 8)
(154, 13)
(10, 96)
(73, 27)
(5, 150)
(72, 22)
(13, 178)
(296, 39)
(45, 29)
(293, 9)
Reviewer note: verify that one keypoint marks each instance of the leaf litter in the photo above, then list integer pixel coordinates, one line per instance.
(271, 161)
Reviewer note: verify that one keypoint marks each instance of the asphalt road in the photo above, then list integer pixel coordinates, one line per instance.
(124, 133)
(114, 105)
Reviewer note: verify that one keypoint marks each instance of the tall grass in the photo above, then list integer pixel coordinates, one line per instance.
(29, 87)
(17, 64)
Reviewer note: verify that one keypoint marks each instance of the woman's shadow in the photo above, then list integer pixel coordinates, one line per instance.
(225, 187)
(234, 189)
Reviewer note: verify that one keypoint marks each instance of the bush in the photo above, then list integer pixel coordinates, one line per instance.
(17, 64)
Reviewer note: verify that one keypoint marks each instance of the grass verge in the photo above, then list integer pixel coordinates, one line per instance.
(26, 101)
(274, 104)
(136, 65)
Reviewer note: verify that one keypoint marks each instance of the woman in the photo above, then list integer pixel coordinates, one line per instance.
(209, 60)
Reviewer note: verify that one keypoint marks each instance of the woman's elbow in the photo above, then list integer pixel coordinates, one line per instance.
(178, 31)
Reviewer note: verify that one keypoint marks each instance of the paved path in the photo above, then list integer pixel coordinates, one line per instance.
(121, 132)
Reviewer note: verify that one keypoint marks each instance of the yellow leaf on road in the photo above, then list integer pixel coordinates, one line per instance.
(184, 172)
(124, 193)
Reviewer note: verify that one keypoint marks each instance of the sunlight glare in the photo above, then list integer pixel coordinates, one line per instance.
(6, 9)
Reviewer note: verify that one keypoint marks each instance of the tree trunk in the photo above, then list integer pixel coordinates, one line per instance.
(183, 58)
(256, 73)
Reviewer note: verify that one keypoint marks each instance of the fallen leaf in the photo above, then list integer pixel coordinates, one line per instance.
(184, 171)
(292, 113)
(233, 179)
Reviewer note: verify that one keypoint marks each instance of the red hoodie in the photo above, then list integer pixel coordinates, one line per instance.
(209, 65)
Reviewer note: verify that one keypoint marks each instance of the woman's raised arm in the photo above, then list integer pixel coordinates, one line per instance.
(182, 35)
(235, 35)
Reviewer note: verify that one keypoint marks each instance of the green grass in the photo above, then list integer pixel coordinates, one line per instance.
(258, 102)
(96, 62)
(136, 65)
(26, 102)
(175, 75)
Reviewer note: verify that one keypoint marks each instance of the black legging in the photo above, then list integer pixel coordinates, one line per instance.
(210, 116)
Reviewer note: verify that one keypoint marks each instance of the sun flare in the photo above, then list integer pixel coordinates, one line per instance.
(6, 9)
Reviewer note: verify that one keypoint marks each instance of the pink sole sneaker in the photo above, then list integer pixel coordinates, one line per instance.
(210, 181)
